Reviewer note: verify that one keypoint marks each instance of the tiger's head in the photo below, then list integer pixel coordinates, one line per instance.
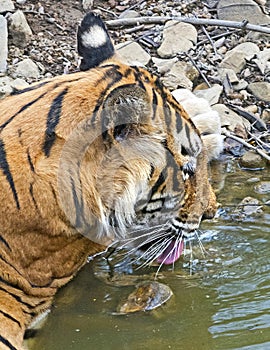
(151, 176)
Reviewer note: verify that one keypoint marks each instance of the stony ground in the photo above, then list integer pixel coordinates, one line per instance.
(229, 67)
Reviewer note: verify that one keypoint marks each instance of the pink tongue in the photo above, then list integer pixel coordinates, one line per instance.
(171, 253)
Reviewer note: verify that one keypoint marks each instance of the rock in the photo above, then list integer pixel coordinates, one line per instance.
(133, 53)
(240, 10)
(3, 44)
(229, 118)
(5, 86)
(177, 37)
(224, 72)
(212, 94)
(263, 187)
(6, 5)
(164, 65)
(241, 85)
(263, 61)
(261, 90)
(146, 297)
(247, 207)
(179, 75)
(87, 4)
(129, 14)
(19, 29)
(236, 58)
(26, 69)
(251, 160)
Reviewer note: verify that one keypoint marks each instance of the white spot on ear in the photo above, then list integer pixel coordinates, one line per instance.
(94, 37)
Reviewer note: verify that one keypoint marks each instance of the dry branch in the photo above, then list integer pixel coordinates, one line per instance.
(243, 142)
(196, 21)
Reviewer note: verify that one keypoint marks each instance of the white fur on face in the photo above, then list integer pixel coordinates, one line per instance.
(94, 37)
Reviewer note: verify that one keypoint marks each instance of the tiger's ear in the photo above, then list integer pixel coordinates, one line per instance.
(93, 42)
(125, 109)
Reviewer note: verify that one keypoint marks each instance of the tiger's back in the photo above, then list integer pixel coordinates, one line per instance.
(83, 157)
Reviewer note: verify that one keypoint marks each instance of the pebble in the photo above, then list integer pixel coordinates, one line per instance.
(26, 69)
(236, 58)
(263, 187)
(133, 53)
(260, 89)
(177, 37)
(229, 118)
(251, 160)
(179, 76)
(3, 45)
(211, 94)
(263, 61)
(241, 9)
(6, 5)
(19, 29)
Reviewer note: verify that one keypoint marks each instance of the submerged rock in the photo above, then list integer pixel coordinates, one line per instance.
(147, 296)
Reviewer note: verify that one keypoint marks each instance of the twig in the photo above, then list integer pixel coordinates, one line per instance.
(195, 21)
(252, 118)
(243, 142)
(210, 40)
(198, 69)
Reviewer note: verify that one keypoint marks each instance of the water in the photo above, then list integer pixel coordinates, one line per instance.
(221, 299)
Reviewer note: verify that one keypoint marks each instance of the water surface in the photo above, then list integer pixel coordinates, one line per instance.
(221, 298)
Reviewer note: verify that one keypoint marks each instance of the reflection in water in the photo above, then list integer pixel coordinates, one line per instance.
(221, 299)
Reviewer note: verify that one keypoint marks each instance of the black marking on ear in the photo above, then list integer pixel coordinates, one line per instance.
(93, 42)
(52, 122)
(6, 171)
(2, 239)
(7, 343)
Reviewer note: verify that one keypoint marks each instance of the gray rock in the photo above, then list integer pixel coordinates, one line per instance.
(164, 65)
(212, 94)
(133, 53)
(263, 187)
(177, 37)
(129, 14)
(3, 44)
(19, 29)
(241, 85)
(5, 86)
(261, 90)
(236, 58)
(263, 61)
(229, 118)
(240, 10)
(26, 69)
(224, 72)
(6, 5)
(179, 76)
(251, 160)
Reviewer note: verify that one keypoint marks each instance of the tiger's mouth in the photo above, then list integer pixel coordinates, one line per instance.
(172, 253)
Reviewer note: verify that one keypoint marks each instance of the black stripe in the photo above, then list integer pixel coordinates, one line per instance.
(52, 121)
(138, 77)
(154, 103)
(21, 110)
(30, 161)
(29, 88)
(31, 191)
(7, 343)
(179, 124)
(114, 76)
(160, 181)
(11, 318)
(5, 242)
(6, 171)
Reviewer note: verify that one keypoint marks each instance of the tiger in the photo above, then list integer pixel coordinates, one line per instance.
(83, 158)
